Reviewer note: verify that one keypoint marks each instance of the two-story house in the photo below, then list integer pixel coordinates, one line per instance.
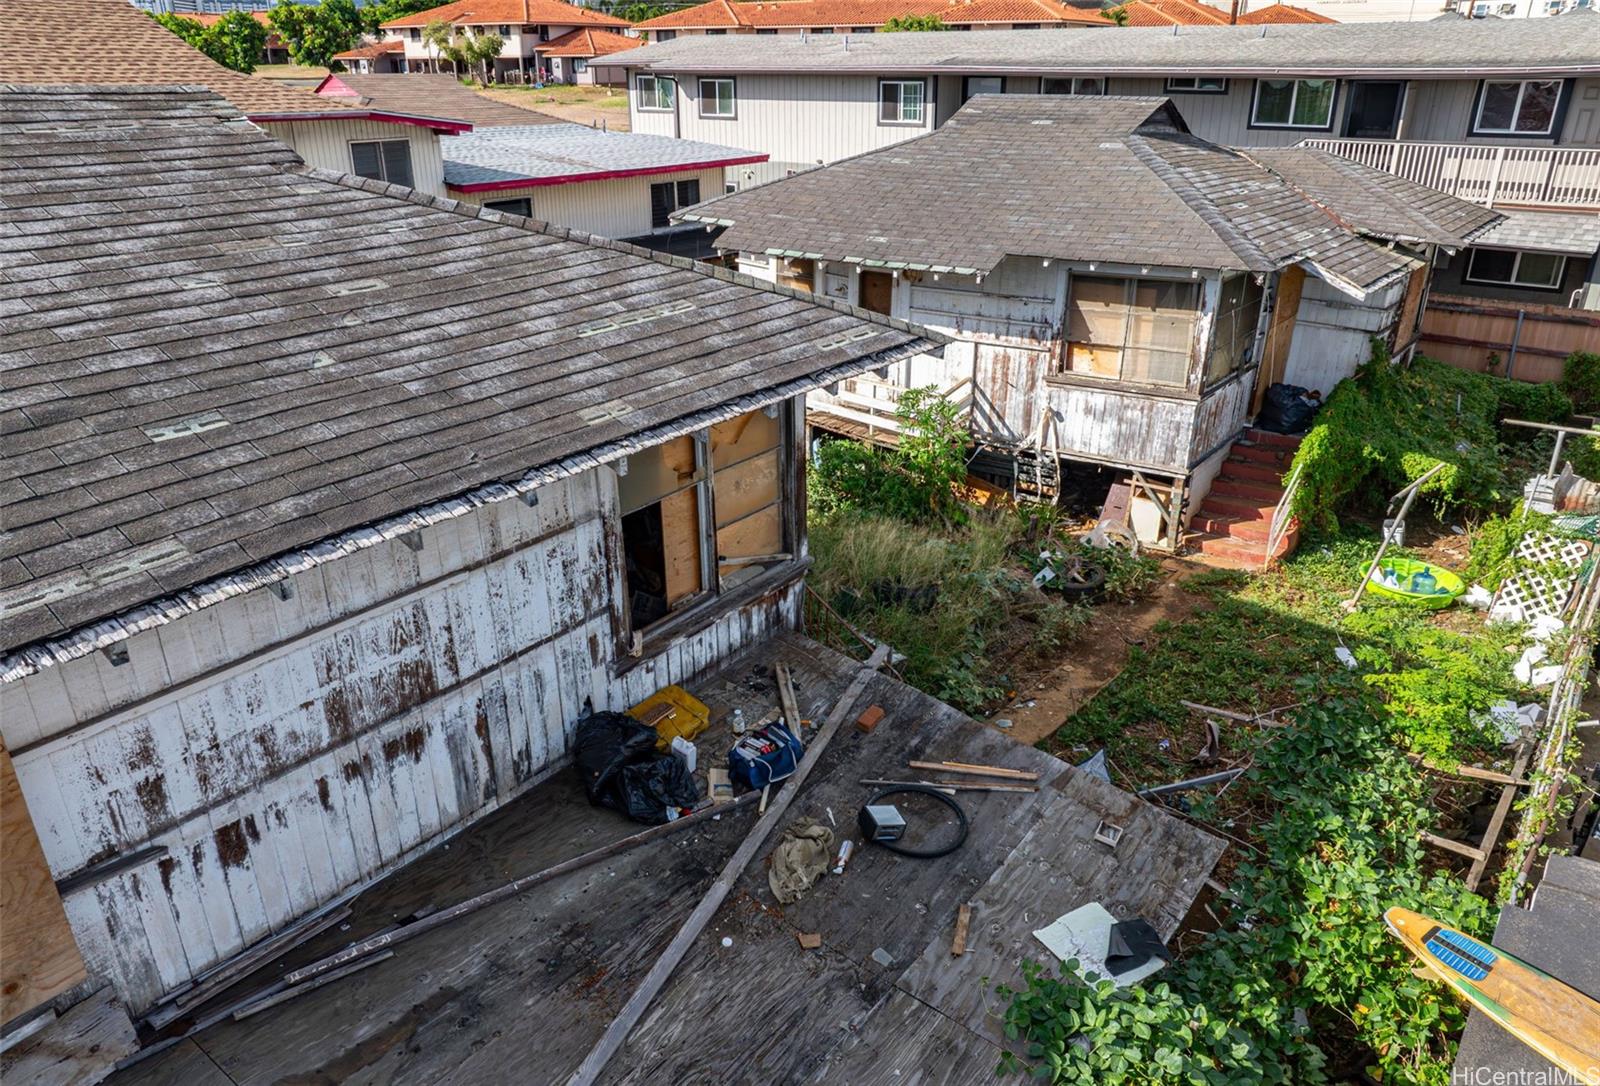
(524, 27)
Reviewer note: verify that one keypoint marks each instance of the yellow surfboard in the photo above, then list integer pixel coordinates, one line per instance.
(1555, 1020)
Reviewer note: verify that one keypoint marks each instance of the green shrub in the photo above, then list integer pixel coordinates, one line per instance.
(1580, 380)
(1386, 427)
(913, 480)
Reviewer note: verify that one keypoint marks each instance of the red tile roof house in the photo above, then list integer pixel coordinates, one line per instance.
(579, 56)
(374, 58)
(527, 27)
(862, 16)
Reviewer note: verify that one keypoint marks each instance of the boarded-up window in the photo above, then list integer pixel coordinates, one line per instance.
(660, 500)
(798, 274)
(1133, 330)
(1234, 335)
(747, 484)
(723, 484)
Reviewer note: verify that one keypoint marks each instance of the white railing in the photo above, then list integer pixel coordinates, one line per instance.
(875, 403)
(1560, 177)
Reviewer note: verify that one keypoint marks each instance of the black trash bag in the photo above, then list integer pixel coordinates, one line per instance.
(1288, 409)
(622, 769)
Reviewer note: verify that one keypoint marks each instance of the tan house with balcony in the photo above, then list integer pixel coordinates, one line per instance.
(525, 28)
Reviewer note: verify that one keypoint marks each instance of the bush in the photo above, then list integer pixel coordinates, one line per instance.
(1386, 427)
(914, 481)
(1580, 380)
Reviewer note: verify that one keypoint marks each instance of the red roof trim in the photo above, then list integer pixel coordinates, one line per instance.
(438, 124)
(602, 175)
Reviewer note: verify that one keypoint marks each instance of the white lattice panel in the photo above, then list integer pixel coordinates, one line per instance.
(1532, 595)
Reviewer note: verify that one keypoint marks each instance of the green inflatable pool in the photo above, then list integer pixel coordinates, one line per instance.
(1416, 583)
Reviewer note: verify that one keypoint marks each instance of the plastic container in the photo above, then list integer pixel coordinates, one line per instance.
(1396, 579)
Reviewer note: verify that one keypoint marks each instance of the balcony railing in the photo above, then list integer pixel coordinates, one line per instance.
(1554, 177)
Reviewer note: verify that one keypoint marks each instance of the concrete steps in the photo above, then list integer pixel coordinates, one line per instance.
(1232, 524)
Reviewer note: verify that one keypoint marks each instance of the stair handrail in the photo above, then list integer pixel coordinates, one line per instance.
(1281, 514)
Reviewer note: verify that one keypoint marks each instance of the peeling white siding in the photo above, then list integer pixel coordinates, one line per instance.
(326, 144)
(618, 208)
(289, 751)
(1333, 333)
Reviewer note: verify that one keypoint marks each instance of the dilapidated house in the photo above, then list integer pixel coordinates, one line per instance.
(330, 507)
(1122, 291)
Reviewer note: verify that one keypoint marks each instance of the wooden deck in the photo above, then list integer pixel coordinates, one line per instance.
(522, 990)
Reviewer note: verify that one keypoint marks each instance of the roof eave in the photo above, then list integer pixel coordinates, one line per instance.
(437, 124)
(598, 175)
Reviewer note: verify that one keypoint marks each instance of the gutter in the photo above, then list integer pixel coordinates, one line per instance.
(683, 67)
(437, 124)
(597, 175)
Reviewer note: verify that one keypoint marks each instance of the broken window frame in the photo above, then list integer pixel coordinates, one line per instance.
(717, 579)
(1242, 319)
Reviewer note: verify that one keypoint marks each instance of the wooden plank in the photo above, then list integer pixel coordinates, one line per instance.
(976, 770)
(38, 956)
(1497, 821)
(82, 1046)
(791, 708)
(589, 1071)
(1280, 333)
(958, 942)
(1452, 846)
(267, 1002)
(680, 540)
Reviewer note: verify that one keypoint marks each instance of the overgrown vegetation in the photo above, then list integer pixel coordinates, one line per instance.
(314, 33)
(914, 22)
(1301, 983)
(1580, 380)
(914, 481)
(1388, 426)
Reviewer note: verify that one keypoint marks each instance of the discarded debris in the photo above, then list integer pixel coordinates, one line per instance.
(800, 859)
(883, 957)
(870, 718)
(976, 770)
(809, 940)
(958, 942)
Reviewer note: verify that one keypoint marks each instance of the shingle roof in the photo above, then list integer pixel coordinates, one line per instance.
(1549, 231)
(214, 355)
(421, 93)
(511, 157)
(1282, 14)
(62, 41)
(588, 43)
(1118, 180)
(514, 12)
(1460, 48)
(827, 14)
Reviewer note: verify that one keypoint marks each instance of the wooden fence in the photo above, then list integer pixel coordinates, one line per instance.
(1527, 341)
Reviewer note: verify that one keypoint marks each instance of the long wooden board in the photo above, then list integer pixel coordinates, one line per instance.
(38, 955)
(1555, 1020)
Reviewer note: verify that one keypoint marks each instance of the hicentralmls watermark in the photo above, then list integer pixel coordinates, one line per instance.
(1488, 1076)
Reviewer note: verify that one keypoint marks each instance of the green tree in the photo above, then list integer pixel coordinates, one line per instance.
(373, 16)
(1118, 14)
(464, 50)
(481, 49)
(235, 41)
(914, 22)
(640, 10)
(442, 37)
(315, 33)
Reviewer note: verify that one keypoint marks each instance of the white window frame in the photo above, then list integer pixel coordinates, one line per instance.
(1516, 266)
(657, 82)
(1294, 100)
(1196, 84)
(902, 120)
(733, 97)
(1516, 110)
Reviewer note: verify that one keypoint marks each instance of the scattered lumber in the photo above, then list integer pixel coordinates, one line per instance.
(589, 1071)
(1497, 821)
(1458, 847)
(786, 698)
(976, 770)
(958, 943)
(1266, 719)
(952, 786)
(511, 889)
(1472, 772)
(245, 1011)
(1192, 782)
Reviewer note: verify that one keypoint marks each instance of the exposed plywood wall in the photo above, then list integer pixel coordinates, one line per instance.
(288, 751)
(38, 956)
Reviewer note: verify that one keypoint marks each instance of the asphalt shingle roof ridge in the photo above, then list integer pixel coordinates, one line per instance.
(1253, 257)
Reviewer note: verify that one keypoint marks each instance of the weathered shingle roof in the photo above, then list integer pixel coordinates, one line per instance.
(214, 356)
(563, 153)
(426, 94)
(111, 41)
(513, 12)
(1459, 48)
(1118, 180)
(827, 14)
(1577, 233)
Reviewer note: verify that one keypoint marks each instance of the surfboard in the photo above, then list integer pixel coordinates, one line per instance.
(1555, 1020)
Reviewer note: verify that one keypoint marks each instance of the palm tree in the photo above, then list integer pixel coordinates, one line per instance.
(442, 37)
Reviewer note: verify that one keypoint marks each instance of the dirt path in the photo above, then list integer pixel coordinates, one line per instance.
(614, 120)
(1099, 654)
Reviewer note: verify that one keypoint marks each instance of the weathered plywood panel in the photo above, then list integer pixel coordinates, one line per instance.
(82, 1046)
(38, 956)
(1122, 427)
(1333, 333)
(1220, 416)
